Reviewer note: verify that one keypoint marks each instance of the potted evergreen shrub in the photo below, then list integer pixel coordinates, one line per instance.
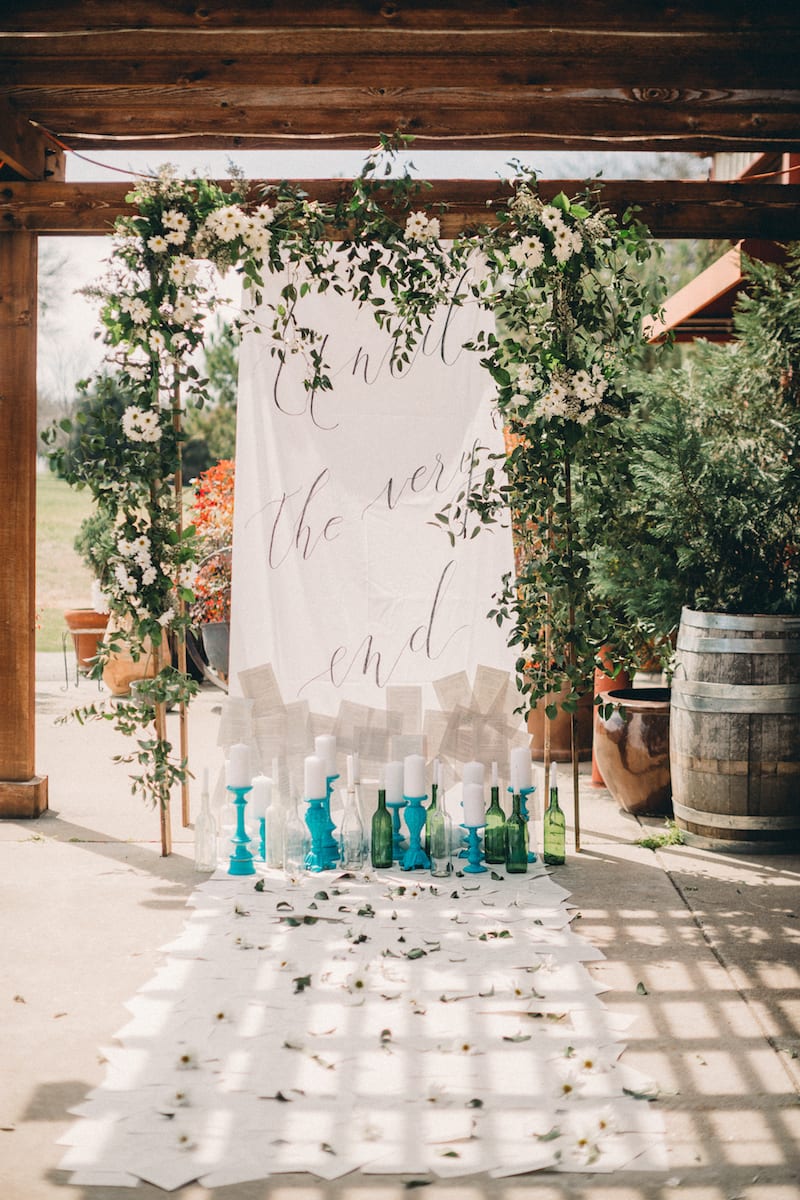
(704, 541)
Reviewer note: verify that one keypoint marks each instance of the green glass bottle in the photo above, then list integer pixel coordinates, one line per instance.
(555, 826)
(381, 852)
(429, 815)
(494, 835)
(516, 839)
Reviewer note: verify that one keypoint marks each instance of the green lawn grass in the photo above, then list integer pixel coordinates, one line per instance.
(62, 580)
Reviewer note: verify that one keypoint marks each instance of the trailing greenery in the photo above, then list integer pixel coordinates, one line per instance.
(708, 489)
(672, 837)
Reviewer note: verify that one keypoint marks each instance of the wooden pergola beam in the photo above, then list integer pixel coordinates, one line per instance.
(670, 208)
(25, 149)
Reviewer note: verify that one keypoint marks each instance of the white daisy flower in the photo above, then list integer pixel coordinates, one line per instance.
(157, 243)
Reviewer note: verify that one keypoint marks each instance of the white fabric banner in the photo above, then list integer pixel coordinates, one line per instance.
(343, 579)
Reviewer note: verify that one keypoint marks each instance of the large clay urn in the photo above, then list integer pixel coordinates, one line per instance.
(632, 750)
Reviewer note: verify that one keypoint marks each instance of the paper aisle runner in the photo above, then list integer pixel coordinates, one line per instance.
(386, 1023)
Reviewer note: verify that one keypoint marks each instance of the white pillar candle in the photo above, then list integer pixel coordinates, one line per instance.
(325, 748)
(351, 775)
(356, 768)
(437, 772)
(474, 804)
(315, 783)
(239, 774)
(394, 782)
(414, 776)
(520, 768)
(472, 773)
(261, 795)
(495, 777)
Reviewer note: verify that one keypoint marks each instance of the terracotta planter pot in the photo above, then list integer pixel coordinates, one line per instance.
(122, 669)
(632, 748)
(560, 742)
(87, 628)
(604, 683)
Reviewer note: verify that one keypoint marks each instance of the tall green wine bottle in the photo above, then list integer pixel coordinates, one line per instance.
(555, 825)
(494, 835)
(381, 851)
(430, 813)
(516, 839)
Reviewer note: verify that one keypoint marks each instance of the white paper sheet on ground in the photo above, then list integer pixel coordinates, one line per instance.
(417, 1054)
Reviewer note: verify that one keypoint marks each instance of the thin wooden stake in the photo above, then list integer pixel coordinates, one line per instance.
(573, 717)
(161, 734)
(186, 815)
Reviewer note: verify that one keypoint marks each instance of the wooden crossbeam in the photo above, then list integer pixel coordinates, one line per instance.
(670, 208)
(25, 150)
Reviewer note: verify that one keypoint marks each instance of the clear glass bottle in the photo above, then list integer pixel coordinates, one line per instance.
(352, 843)
(441, 843)
(205, 833)
(516, 839)
(275, 829)
(555, 826)
(296, 841)
(381, 846)
(494, 835)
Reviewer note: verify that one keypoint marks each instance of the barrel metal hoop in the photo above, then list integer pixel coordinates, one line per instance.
(695, 695)
(732, 821)
(710, 620)
(711, 645)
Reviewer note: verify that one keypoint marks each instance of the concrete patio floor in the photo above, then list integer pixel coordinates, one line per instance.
(703, 948)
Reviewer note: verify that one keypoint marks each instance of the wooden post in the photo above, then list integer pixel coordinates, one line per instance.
(22, 792)
(186, 814)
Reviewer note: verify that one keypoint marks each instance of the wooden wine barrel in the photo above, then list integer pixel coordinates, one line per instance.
(735, 732)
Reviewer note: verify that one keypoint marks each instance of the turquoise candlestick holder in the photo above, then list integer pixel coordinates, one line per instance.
(398, 841)
(241, 861)
(317, 820)
(474, 853)
(330, 843)
(262, 839)
(415, 855)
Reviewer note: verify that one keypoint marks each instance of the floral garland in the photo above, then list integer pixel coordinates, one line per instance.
(565, 308)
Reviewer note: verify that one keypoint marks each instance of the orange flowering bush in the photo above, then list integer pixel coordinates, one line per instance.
(212, 512)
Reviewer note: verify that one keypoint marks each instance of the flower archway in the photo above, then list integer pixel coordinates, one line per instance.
(564, 298)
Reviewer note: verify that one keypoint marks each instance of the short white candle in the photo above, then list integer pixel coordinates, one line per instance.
(474, 804)
(394, 782)
(495, 777)
(239, 773)
(414, 776)
(520, 770)
(472, 773)
(325, 748)
(261, 795)
(314, 777)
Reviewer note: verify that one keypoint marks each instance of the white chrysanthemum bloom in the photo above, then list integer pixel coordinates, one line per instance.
(184, 311)
(137, 373)
(139, 543)
(583, 417)
(525, 379)
(157, 243)
(558, 390)
(581, 385)
(176, 237)
(173, 219)
(140, 426)
(157, 340)
(138, 310)
(552, 405)
(563, 247)
(166, 618)
(186, 575)
(552, 218)
(264, 214)
(149, 575)
(528, 252)
(257, 237)
(420, 228)
(126, 582)
(124, 547)
(577, 241)
(227, 223)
